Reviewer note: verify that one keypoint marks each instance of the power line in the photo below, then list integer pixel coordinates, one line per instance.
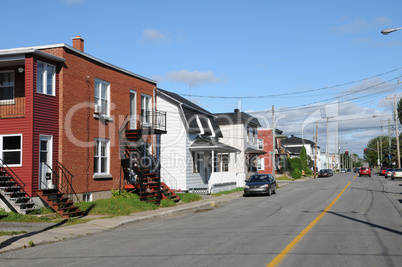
(294, 93)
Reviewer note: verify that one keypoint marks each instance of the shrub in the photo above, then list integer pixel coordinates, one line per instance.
(296, 174)
(295, 164)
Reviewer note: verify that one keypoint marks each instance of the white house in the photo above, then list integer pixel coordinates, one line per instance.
(239, 130)
(192, 158)
(293, 146)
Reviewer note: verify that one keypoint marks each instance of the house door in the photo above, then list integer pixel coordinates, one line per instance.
(133, 120)
(45, 162)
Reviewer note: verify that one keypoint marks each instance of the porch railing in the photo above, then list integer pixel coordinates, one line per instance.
(62, 178)
(12, 108)
(10, 172)
(154, 119)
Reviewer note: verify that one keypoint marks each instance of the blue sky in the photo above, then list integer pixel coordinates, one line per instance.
(303, 57)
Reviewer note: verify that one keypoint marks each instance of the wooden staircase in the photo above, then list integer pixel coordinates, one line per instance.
(60, 203)
(168, 193)
(13, 194)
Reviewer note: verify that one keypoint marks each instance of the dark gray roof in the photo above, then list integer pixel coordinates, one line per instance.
(293, 140)
(295, 150)
(190, 112)
(250, 150)
(202, 144)
(237, 117)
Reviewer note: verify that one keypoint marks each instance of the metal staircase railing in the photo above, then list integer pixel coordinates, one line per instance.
(63, 185)
(20, 200)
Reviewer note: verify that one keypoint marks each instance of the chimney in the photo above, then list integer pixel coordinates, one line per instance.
(236, 110)
(78, 43)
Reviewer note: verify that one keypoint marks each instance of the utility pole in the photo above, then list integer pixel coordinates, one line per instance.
(378, 154)
(328, 145)
(273, 142)
(397, 134)
(316, 141)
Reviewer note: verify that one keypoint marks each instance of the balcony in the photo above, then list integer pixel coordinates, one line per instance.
(12, 108)
(153, 121)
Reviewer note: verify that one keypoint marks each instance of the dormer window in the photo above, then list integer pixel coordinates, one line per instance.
(199, 124)
(211, 128)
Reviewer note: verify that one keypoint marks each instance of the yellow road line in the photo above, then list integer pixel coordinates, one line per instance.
(292, 244)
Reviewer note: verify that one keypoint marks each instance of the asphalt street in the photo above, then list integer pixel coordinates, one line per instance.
(351, 221)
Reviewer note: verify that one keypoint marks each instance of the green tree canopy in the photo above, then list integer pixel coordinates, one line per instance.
(303, 158)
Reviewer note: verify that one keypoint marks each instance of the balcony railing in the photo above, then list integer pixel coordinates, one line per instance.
(155, 120)
(12, 108)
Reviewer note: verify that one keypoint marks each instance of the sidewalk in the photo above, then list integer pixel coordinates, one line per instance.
(54, 233)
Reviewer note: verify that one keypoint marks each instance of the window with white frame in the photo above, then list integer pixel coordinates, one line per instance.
(102, 96)
(101, 156)
(248, 135)
(11, 149)
(225, 162)
(217, 162)
(146, 109)
(6, 87)
(46, 78)
(261, 144)
(87, 197)
(197, 158)
(260, 164)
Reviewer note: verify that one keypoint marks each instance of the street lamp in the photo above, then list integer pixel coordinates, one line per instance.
(387, 31)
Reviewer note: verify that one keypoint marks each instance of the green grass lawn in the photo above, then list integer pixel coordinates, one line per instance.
(122, 203)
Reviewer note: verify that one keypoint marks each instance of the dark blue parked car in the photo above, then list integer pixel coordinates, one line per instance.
(260, 184)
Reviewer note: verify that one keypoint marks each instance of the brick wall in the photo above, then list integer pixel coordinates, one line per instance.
(79, 128)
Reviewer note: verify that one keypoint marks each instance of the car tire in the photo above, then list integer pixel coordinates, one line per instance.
(274, 192)
(269, 191)
(359, 175)
(370, 175)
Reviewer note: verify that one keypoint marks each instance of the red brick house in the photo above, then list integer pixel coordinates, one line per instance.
(265, 143)
(72, 122)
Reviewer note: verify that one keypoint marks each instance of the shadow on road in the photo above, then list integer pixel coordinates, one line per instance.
(16, 238)
(367, 223)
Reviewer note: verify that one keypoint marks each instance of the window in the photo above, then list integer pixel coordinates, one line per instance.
(87, 197)
(46, 78)
(146, 109)
(260, 164)
(7, 87)
(10, 147)
(260, 144)
(101, 156)
(102, 89)
(217, 162)
(197, 157)
(248, 135)
(225, 162)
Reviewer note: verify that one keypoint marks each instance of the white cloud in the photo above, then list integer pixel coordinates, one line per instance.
(359, 25)
(152, 36)
(350, 124)
(71, 2)
(192, 78)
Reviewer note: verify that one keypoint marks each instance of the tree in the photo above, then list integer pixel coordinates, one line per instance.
(399, 110)
(385, 150)
(303, 158)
